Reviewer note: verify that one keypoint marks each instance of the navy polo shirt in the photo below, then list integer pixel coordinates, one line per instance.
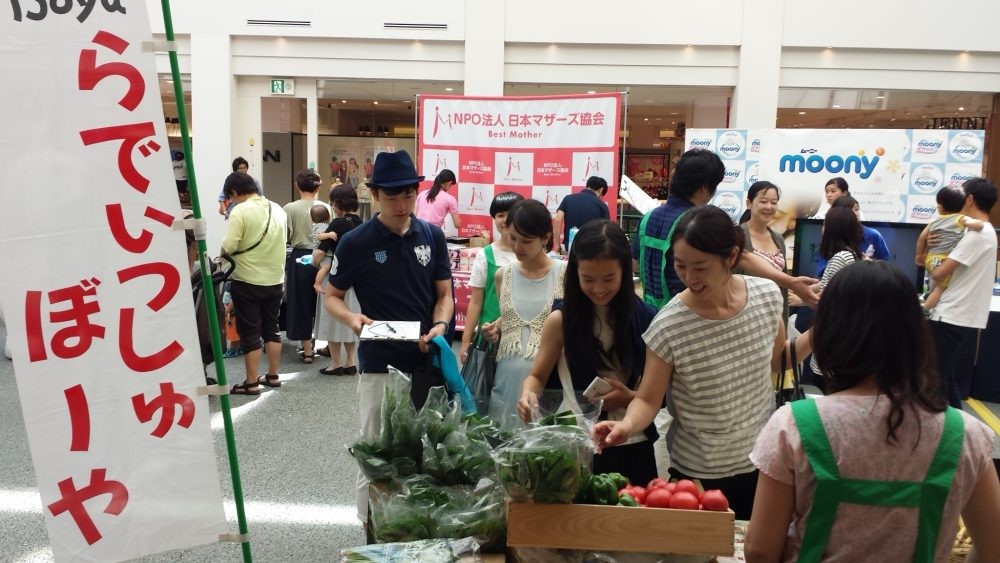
(580, 208)
(393, 277)
(658, 225)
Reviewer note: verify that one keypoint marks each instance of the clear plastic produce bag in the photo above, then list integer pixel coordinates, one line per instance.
(544, 464)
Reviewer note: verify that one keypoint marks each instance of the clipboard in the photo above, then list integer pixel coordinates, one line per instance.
(408, 331)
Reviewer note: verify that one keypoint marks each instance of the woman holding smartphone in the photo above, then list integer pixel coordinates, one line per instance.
(596, 331)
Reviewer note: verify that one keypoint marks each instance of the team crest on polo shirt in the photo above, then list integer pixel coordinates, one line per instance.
(381, 256)
(423, 253)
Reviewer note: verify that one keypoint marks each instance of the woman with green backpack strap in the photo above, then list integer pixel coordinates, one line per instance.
(484, 305)
(880, 469)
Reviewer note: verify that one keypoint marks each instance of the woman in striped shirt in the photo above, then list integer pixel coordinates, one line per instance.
(712, 350)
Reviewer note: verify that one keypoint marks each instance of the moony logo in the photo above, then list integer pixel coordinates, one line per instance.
(698, 143)
(860, 164)
(732, 175)
(728, 202)
(922, 212)
(959, 178)
(926, 179)
(929, 146)
(731, 144)
(755, 145)
(966, 147)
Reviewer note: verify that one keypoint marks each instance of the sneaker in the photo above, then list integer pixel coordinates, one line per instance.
(232, 353)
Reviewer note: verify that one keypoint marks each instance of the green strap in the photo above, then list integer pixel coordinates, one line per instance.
(646, 241)
(928, 495)
(491, 303)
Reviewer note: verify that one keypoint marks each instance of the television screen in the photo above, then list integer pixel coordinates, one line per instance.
(901, 238)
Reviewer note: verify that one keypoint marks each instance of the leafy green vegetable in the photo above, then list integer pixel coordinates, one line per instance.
(544, 464)
(626, 499)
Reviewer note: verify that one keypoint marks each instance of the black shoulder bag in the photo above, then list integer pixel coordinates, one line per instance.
(784, 391)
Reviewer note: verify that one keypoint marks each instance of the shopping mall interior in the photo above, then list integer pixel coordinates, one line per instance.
(284, 84)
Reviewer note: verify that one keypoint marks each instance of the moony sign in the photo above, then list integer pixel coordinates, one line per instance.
(893, 173)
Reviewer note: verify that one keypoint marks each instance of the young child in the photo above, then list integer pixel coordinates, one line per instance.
(232, 337)
(320, 215)
(596, 331)
(949, 225)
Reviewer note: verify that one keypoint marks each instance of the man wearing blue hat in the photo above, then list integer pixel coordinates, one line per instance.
(400, 270)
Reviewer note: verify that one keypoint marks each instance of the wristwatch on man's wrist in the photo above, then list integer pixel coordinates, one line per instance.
(442, 323)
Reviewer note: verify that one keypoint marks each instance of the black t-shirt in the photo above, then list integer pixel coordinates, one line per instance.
(580, 208)
(393, 278)
(341, 226)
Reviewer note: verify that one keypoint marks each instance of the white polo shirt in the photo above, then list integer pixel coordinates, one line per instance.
(966, 301)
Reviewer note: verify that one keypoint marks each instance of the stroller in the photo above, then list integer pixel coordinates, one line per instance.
(219, 278)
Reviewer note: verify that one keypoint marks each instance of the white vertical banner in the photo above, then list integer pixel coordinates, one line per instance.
(96, 288)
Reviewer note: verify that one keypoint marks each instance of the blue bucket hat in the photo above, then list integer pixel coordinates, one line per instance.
(394, 170)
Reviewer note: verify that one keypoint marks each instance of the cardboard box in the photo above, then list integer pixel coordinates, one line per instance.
(620, 528)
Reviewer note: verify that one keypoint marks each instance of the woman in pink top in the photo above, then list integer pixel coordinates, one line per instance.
(436, 203)
(881, 469)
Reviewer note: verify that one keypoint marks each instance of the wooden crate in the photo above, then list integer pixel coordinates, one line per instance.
(620, 528)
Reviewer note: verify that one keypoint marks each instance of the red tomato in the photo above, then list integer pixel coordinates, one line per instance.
(714, 500)
(684, 500)
(638, 493)
(687, 486)
(658, 497)
(671, 487)
(658, 482)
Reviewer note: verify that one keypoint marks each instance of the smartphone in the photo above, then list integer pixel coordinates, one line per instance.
(597, 388)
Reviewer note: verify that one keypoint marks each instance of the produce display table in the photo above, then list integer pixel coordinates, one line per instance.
(621, 528)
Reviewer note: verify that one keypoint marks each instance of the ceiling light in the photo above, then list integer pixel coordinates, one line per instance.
(802, 113)
(648, 101)
(690, 45)
(673, 113)
(879, 97)
(375, 102)
(591, 91)
(961, 108)
(449, 89)
(836, 106)
(343, 101)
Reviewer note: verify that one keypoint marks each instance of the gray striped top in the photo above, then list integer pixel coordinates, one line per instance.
(720, 394)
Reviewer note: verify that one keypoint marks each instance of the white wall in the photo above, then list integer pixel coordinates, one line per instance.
(752, 46)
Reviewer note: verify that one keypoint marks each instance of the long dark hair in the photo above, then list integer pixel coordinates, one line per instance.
(531, 219)
(869, 322)
(755, 189)
(599, 239)
(841, 231)
(442, 177)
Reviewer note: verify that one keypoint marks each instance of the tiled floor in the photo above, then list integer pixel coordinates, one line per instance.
(298, 479)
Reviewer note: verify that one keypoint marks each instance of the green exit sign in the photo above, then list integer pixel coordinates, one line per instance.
(282, 86)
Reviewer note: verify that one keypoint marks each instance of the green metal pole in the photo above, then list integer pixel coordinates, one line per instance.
(206, 281)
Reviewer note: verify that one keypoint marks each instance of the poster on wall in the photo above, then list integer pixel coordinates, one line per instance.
(351, 159)
(893, 173)
(543, 147)
(96, 292)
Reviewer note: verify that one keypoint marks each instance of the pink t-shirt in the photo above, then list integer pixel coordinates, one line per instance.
(855, 426)
(434, 212)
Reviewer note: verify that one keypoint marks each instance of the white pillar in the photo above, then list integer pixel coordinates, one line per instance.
(308, 90)
(484, 47)
(211, 108)
(755, 99)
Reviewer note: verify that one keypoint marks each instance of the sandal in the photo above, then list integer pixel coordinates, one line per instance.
(270, 380)
(324, 351)
(308, 358)
(245, 389)
(335, 371)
